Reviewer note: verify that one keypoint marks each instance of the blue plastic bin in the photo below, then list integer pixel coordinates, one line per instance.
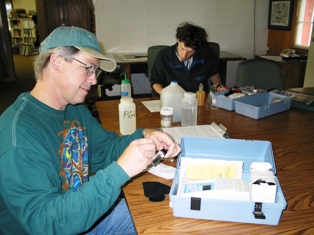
(260, 105)
(225, 102)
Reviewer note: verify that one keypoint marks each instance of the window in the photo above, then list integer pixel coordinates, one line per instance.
(304, 24)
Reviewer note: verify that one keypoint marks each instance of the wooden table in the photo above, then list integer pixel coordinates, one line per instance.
(291, 135)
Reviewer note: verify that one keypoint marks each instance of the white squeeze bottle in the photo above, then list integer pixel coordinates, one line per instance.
(125, 87)
(127, 116)
(171, 96)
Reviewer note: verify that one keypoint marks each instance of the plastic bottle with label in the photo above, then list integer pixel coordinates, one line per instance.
(200, 95)
(127, 116)
(171, 96)
(189, 109)
(125, 87)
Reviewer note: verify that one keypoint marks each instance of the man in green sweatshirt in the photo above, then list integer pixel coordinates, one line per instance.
(60, 171)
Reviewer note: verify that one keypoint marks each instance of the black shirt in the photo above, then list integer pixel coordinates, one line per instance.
(167, 67)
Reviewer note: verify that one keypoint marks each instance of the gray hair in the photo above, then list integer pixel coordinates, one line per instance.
(41, 61)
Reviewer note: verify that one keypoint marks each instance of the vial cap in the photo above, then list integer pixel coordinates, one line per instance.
(125, 81)
(166, 111)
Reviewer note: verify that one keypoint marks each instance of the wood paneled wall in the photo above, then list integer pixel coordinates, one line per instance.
(52, 14)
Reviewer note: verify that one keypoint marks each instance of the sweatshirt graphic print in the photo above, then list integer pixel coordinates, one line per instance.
(73, 154)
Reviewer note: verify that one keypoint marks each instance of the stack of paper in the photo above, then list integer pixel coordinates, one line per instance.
(205, 131)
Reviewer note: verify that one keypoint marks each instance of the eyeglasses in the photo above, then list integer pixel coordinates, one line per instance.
(90, 70)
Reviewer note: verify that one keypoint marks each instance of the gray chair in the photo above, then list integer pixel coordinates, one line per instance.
(151, 55)
(215, 47)
(260, 73)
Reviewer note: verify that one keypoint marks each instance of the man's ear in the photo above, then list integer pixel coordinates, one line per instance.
(55, 60)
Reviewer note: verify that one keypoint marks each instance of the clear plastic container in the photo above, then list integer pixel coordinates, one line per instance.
(189, 109)
(171, 96)
(127, 116)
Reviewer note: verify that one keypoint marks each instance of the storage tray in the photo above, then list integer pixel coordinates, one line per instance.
(260, 105)
(225, 102)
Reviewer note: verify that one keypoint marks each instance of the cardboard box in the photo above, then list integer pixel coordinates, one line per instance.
(261, 105)
(228, 210)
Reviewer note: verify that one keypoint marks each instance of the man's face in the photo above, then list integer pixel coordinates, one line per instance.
(77, 83)
(183, 51)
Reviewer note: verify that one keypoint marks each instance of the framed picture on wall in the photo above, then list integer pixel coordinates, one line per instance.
(280, 14)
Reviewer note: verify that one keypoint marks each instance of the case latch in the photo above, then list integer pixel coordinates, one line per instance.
(258, 213)
(196, 203)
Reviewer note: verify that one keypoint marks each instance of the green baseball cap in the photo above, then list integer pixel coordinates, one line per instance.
(81, 39)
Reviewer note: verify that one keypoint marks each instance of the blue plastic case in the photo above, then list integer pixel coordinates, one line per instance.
(228, 210)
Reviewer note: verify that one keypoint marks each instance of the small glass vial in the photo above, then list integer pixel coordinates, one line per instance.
(166, 115)
(212, 99)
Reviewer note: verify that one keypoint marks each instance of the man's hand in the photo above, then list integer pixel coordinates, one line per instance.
(163, 141)
(137, 156)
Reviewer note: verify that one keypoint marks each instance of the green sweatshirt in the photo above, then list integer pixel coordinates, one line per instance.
(58, 170)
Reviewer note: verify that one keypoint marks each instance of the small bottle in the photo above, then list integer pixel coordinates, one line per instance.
(125, 87)
(212, 100)
(127, 116)
(200, 95)
(166, 114)
(189, 109)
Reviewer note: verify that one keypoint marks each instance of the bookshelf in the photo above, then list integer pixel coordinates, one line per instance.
(22, 31)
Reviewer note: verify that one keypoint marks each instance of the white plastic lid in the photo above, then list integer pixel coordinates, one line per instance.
(126, 100)
(166, 111)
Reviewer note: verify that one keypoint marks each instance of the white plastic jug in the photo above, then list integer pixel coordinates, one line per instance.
(171, 96)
